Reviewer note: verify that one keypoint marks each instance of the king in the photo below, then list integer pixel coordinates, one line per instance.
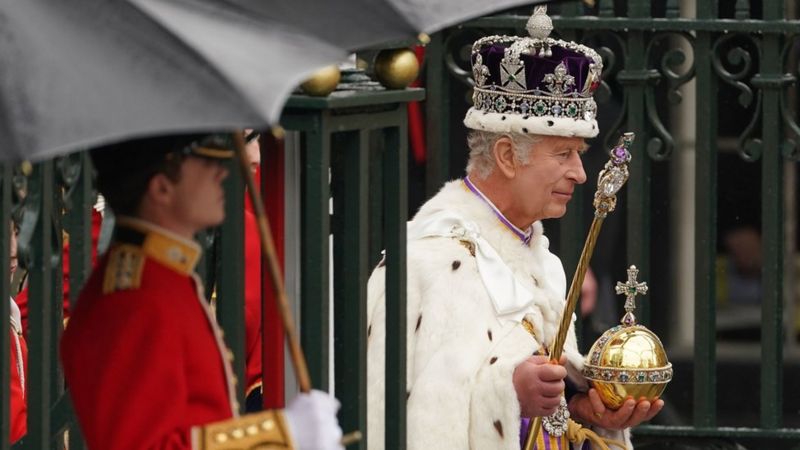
(485, 294)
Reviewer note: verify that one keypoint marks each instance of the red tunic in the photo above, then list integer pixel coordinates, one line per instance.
(252, 303)
(22, 298)
(19, 367)
(142, 356)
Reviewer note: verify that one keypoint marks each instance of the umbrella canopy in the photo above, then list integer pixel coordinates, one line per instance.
(87, 72)
(356, 24)
(84, 72)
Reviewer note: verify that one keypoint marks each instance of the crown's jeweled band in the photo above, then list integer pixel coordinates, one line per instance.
(500, 101)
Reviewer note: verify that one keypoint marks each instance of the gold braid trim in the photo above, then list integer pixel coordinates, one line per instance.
(577, 434)
(265, 430)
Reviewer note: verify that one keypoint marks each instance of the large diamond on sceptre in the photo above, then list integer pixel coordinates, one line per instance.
(613, 176)
(628, 360)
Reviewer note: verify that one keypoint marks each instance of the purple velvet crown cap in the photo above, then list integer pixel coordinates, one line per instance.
(534, 85)
(537, 67)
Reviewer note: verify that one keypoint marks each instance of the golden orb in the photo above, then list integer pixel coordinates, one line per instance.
(628, 360)
(322, 82)
(396, 68)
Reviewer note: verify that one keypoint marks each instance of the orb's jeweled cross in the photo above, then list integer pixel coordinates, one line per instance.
(631, 289)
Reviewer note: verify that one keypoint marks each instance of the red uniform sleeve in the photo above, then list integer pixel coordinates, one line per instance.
(252, 301)
(135, 394)
(19, 409)
(97, 221)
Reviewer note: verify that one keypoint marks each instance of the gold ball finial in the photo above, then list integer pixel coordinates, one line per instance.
(26, 168)
(322, 82)
(278, 132)
(396, 68)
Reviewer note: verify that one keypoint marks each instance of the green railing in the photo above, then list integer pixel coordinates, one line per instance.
(361, 141)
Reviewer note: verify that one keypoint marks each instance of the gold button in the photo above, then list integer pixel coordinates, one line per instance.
(267, 425)
(252, 430)
(221, 438)
(229, 355)
(237, 433)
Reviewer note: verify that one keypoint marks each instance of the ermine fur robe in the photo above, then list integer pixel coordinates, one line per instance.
(461, 354)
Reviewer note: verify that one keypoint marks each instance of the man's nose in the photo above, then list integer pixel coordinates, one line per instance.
(576, 172)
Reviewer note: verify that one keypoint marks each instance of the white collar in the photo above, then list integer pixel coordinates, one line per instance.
(524, 236)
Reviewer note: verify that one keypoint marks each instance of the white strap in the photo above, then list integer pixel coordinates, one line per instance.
(509, 297)
(16, 317)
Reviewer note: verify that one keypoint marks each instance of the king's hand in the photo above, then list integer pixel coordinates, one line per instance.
(588, 409)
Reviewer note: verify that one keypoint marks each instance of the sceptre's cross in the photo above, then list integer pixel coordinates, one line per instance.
(631, 289)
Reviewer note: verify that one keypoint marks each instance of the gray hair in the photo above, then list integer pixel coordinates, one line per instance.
(481, 160)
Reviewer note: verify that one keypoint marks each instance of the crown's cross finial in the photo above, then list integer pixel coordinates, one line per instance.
(631, 289)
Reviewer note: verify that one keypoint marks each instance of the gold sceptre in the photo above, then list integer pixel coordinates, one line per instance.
(609, 181)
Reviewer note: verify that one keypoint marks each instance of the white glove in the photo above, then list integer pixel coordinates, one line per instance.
(312, 421)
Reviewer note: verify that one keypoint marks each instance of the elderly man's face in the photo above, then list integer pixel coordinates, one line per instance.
(544, 186)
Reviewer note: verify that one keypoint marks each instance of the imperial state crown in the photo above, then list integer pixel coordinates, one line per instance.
(628, 360)
(534, 84)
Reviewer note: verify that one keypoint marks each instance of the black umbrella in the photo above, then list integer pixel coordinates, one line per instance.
(356, 24)
(87, 72)
(84, 72)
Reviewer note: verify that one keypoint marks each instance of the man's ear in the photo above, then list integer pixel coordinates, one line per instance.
(504, 159)
(160, 190)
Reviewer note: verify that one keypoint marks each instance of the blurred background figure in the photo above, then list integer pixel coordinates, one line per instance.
(19, 357)
(739, 287)
(742, 271)
(252, 284)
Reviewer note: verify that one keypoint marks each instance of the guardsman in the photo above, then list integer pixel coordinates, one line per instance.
(252, 286)
(143, 356)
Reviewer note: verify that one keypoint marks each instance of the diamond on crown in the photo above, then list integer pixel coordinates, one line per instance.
(560, 80)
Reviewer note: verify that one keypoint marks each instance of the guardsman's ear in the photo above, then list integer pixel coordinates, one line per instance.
(503, 155)
(160, 190)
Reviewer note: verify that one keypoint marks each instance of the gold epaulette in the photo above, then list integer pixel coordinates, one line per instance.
(265, 430)
(124, 268)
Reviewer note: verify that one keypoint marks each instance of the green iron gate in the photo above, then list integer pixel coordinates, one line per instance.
(739, 54)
